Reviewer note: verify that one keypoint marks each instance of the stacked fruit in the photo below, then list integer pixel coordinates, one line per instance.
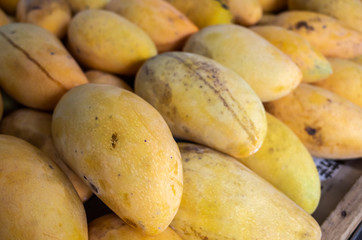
(188, 119)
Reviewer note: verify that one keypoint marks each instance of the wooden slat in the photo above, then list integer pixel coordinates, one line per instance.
(342, 221)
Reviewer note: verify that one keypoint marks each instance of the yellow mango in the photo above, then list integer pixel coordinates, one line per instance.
(330, 126)
(348, 12)
(203, 102)
(80, 5)
(105, 41)
(35, 127)
(245, 12)
(204, 13)
(9, 6)
(284, 161)
(269, 6)
(223, 199)
(36, 67)
(269, 71)
(37, 200)
(95, 76)
(53, 15)
(312, 63)
(110, 227)
(3, 18)
(123, 149)
(329, 35)
(166, 26)
(346, 80)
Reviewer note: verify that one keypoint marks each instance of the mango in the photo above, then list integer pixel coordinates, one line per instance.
(36, 67)
(204, 13)
(223, 199)
(34, 127)
(37, 200)
(166, 26)
(110, 227)
(327, 34)
(314, 66)
(286, 163)
(269, 71)
(53, 15)
(329, 126)
(245, 12)
(123, 149)
(105, 41)
(203, 102)
(349, 12)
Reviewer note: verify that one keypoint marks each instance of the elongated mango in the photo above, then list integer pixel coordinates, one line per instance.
(110, 227)
(35, 127)
(329, 35)
(36, 67)
(269, 71)
(123, 149)
(285, 162)
(37, 200)
(330, 126)
(166, 26)
(348, 12)
(203, 102)
(312, 63)
(223, 200)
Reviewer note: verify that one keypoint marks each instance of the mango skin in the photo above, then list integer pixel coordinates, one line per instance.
(223, 199)
(330, 36)
(330, 126)
(53, 15)
(203, 102)
(284, 161)
(270, 72)
(110, 227)
(346, 80)
(349, 12)
(37, 200)
(80, 5)
(270, 6)
(204, 12)
(166, 26)
(314, 66)
(96, 76)
(105, 41)
(123, 149)
(36, 67)
(246, 12)
(34, 127)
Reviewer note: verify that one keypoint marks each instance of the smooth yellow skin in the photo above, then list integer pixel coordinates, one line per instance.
(223, 199)
(52, 15)
(204, 13)
(269, 71)
(36, 67)
(312, 63)
(203, 102)
(269, 6)
(346, 80)
(96, 76)
(123, 149)
(110, 226)
(9, 6)
(106, 41)
(167, 26)
(329, 126)
(284, 161)
(330, 36)
(245, 12)
(3, 18)
(80, 5)
(35, 127)
(37, 201)
(347, 11)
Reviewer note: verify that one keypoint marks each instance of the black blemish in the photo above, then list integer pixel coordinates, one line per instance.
(192, 148)
(75, 150)
(129, 222)
(311, 131)
(187, 159)
(119, 175)
(96, 118)
(85, 177)
(343, 213)
(145, 140)
(114, 140)
(223, 5)
(94, 187)
(329, 100)
(50, 166)
(303, 24)
(35, 8)
(200, 86)
(171, 157)
(52, 53)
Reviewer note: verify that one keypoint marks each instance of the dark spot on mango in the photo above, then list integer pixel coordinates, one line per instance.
(35, 8)
(303, 24)
(329, 100)
(324, 26)
(96, 118)
(311, 131)
(52, 53)
(94, 188)
(222, 4)
(145, 140)
(85, 177)
(187, 159)
(114, 139)
(192, 148)
(130, 223)
(343, 213)
(50, 166)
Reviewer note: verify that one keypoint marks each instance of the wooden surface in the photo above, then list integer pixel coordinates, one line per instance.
(346, 217)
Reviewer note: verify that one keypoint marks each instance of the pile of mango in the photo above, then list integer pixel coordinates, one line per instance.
(189, 119)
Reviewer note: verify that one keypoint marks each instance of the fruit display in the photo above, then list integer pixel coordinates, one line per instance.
(183, 119)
